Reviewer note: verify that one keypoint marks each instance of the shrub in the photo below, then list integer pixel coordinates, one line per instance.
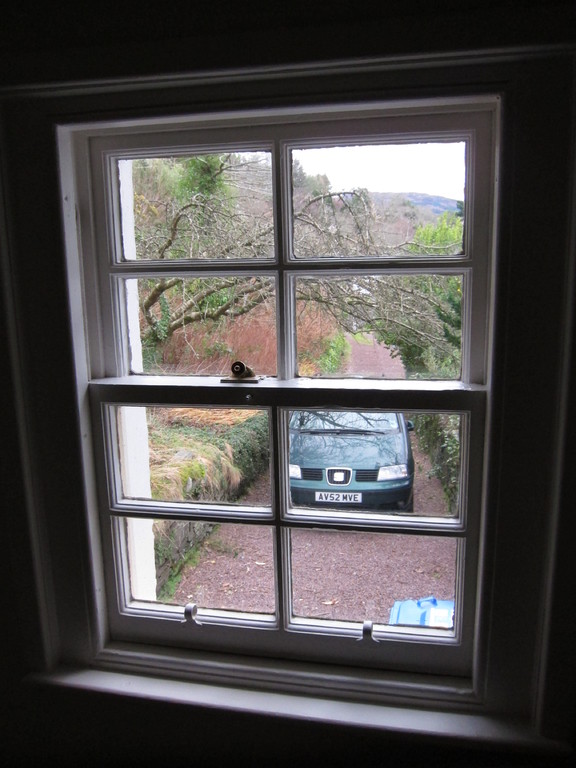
(249, 442)
(439, 436)
(335, 354)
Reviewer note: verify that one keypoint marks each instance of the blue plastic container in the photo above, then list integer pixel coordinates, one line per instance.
(427, 612)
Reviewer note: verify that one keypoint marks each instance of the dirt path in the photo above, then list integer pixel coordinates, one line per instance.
(368, 358)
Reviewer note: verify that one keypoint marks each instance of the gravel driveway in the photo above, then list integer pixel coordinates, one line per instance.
(335, 574)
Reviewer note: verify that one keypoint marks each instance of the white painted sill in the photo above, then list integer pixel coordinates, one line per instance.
(436, 726)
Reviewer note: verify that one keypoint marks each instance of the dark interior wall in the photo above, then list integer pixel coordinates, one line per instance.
(42, 43)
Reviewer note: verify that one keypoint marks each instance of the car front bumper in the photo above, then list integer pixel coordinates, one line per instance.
(377, 500)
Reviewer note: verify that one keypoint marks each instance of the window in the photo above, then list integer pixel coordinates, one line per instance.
(247, 313)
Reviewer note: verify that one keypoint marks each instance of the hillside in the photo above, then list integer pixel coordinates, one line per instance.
(434, 205)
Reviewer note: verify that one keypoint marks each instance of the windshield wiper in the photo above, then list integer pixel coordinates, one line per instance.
(335, 431)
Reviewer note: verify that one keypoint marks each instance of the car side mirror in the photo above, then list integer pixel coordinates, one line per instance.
(410, 426)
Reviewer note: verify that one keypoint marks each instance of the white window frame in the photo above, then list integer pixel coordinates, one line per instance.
(103, 371)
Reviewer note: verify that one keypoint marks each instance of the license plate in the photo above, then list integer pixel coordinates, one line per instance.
(339, 496)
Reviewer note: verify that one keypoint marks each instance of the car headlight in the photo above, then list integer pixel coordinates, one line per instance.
(394, 472)
(294, 471)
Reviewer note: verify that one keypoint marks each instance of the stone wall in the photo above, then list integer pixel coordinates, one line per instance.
(173, 540)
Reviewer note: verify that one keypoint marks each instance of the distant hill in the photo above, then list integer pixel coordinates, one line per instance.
(434, 204)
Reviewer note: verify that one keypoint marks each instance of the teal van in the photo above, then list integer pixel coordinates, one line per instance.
(351, 460)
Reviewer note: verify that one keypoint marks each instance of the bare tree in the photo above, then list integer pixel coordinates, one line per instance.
(220, 207)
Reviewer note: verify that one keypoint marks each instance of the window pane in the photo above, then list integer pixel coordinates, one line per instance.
(208, 207)
(201, 325)
(401, 200)
(226, 567)
(352, 576)
(384, 326)
(194, 455)
(375, 462)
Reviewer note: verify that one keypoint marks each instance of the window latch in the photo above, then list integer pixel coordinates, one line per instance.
(368, 632)
(241, 373)
(190, 613)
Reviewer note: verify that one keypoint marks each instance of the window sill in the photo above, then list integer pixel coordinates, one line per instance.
(434, 725)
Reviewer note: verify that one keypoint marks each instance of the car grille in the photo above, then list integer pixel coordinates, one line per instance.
(331, 474)
(310, 473)
(366, 475)
(362, 475)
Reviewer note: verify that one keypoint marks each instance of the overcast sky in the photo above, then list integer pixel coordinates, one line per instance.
(436, 169)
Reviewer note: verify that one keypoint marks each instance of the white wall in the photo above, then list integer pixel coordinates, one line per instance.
(132, 426)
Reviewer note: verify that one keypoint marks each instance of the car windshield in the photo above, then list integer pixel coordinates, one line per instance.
(344, 421)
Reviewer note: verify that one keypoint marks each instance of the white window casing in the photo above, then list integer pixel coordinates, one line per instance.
(115, 358)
